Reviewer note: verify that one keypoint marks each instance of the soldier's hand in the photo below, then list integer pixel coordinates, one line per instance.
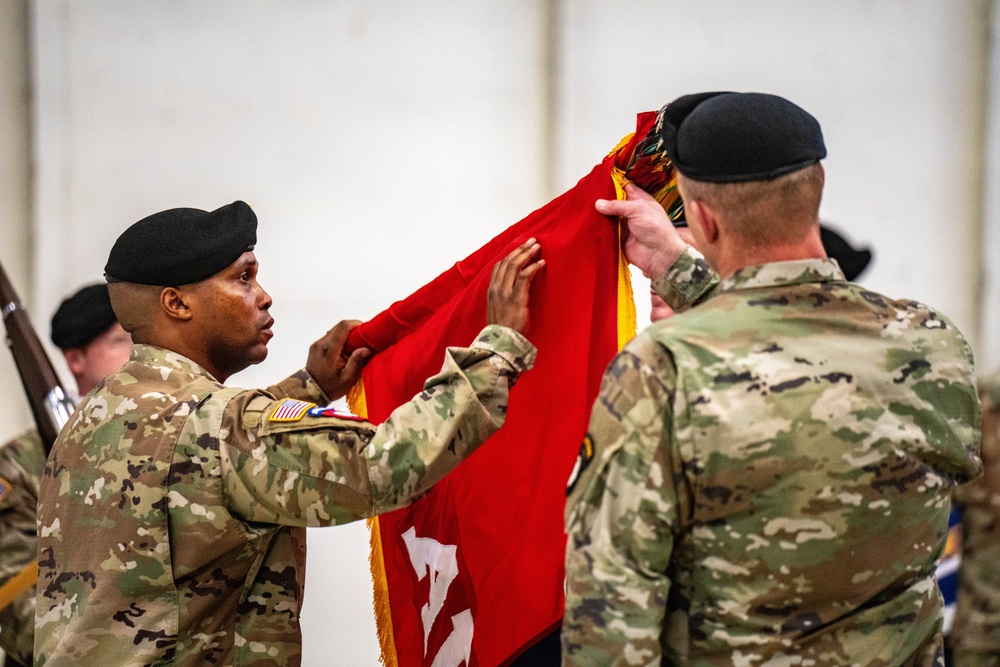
(334, 371)
(651, 242)
(510, 287)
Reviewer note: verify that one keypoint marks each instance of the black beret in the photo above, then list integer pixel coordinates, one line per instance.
(852, 260)
(735, 137)
(182, 245)
(82, 317)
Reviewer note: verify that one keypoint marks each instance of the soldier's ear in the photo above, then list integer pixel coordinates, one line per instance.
(701, 215)
(172, 303)
(75, 360)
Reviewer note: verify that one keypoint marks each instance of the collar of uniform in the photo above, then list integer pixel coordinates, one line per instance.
(151, 355)
(782, 273)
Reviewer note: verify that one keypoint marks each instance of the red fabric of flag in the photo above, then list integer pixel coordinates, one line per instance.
(474, 570)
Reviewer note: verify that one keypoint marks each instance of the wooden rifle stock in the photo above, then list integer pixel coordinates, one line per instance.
(50, 404)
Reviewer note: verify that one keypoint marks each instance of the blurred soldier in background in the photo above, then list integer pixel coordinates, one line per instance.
(975, 635)
(94, 345)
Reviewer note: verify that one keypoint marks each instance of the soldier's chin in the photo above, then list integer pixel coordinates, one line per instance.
(255, 355)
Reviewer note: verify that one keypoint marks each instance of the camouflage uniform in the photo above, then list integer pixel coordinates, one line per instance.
(976, 633)
(773, 471)
(172, 513)
(21, 463)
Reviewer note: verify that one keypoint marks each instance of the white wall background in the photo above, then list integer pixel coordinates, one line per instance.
(380, 141)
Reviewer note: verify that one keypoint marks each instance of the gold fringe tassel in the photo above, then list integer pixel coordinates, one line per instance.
(356, 400)
(383, 615)
(19, 583)
(626, 298)
(358, 404)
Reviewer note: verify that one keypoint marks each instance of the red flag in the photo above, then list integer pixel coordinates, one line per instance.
(473, 572)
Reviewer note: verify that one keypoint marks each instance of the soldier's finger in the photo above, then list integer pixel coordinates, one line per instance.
(530, 271)
(337, 336)
(615, 207)
(507, 268)
(516, 260)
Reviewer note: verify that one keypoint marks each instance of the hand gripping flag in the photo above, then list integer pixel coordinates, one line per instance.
(473, 572)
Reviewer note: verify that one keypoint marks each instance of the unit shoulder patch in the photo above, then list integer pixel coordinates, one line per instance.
(338, 414)
(583, 460)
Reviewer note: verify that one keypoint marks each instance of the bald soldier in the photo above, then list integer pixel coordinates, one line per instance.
(774, 464)
(172, 511)
(84, 327)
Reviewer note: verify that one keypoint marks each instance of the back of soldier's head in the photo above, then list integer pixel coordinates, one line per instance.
(754, 158)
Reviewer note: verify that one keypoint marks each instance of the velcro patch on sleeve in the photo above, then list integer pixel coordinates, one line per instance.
(5, 489)
(338, 414)
(290, 410)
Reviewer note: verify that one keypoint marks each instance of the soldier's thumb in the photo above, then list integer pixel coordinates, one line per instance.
(356, 363)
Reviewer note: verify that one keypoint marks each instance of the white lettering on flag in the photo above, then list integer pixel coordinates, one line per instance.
(439, 561)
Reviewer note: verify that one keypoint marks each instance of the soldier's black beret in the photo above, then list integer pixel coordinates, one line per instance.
(82, 317)
(734, 137)
(182, 245)
(852, 260)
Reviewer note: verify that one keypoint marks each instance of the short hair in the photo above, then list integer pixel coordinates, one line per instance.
(764, 212)
(134, 304)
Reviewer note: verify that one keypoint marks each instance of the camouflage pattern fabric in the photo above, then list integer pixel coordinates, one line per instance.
(172, 512)
(976, 632)
(773, 478)
(21, 463)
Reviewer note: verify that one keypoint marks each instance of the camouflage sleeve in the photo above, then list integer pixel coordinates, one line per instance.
(20, 463)
(621, 531)
(687, 282)
(321, 470)
(299, 385)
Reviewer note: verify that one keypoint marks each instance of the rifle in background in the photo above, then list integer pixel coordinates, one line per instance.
(50, 404)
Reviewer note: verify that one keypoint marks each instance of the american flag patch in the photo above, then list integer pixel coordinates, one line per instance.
(290, 410)
(5, 489)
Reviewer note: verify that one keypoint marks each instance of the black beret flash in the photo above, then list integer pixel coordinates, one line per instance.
(82, 317)
(728, 137)
(182, 245)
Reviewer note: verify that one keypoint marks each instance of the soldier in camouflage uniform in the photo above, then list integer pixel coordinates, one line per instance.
(172, 511)
(21, 462)
(772, 467)
(84, 327)
(976, 632)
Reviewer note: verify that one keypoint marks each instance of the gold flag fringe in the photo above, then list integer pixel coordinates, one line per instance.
(358, 404)
(383, 615)
(626, 298)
